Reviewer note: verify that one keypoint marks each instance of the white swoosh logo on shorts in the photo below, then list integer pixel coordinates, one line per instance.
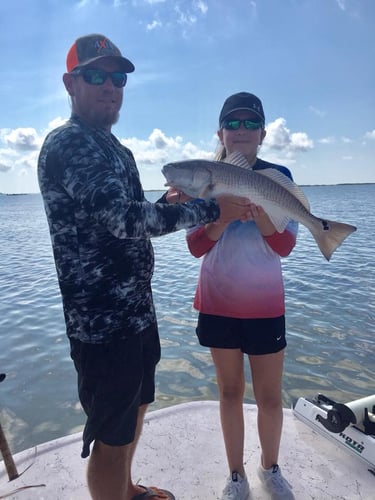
(279, 338)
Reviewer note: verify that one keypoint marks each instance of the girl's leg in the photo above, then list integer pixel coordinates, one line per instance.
(231, 384)
(266, 373)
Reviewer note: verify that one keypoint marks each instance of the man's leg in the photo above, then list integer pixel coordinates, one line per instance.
(107, 475)
(131, 488)
(109, 469)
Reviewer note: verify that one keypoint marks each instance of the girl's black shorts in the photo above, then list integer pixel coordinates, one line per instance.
(252, 336)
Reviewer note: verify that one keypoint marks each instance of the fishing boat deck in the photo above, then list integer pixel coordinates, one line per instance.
(181, 449)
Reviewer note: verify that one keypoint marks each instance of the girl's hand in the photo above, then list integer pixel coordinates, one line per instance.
(261, 219)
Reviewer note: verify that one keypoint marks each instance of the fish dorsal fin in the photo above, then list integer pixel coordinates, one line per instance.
(286, 183)
(237, 159)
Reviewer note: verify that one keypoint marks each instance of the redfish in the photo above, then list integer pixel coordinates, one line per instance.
(276, 193)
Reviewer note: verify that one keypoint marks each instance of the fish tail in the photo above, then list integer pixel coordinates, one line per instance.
(330, 234)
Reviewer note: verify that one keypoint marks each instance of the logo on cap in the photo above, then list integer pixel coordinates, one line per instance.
(103, 44)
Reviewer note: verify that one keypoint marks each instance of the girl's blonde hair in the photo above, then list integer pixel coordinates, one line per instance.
(220, 153)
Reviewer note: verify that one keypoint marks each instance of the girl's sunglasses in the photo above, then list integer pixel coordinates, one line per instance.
(99, 76)
(236, 124)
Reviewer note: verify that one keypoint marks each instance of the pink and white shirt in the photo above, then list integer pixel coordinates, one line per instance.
(240, 275)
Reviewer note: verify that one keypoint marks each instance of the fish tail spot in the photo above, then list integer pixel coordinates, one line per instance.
(325, 225)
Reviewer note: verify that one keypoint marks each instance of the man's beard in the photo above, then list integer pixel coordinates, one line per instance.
(104, 120)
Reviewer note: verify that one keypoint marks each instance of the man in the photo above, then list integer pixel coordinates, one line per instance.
(100, 225)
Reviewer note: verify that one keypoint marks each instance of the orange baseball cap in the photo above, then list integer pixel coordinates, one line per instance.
(91, 48)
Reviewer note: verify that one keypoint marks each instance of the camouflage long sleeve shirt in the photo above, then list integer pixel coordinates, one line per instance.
(100, 225)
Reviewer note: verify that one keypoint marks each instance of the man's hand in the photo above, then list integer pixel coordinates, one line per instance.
(175, 196)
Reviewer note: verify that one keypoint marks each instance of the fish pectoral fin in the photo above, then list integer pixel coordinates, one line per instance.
(286, 183)
(206, 191)
(237, 159)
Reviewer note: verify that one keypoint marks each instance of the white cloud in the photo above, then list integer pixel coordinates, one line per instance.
(56, 122)
(22, 146)
(27, 162)
(327, 140)
(201, 6)
(317, 111)
(189, 17)
(280, 138)
(341, 4)
(348, 7)
(190, 151)
(300, 142)
(4, 168)
(160, 141)
(281, 145)
(370, 135)
(155, 150)
(153, 25)
(185, 18)
(83, 3)
(25, 139)
(159, 149)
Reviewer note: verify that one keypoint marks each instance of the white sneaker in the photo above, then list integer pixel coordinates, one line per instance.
(275, 484)
(237, 488)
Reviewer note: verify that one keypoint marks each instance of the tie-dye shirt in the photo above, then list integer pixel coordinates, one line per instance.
(100, 225)
(240, 275)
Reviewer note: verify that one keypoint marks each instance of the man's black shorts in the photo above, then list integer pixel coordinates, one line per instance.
(114, 379)
(252, 336)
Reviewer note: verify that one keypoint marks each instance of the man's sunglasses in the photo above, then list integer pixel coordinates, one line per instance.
(99, 76)
(236, 124)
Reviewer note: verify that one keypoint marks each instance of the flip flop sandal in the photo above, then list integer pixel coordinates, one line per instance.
(155, 493)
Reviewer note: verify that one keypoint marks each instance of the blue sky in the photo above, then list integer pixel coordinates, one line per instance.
(310, 61)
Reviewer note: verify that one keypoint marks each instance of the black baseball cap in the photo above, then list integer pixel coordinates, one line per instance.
(242, 100)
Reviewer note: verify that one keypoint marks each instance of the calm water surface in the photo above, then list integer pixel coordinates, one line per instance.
(330, 318)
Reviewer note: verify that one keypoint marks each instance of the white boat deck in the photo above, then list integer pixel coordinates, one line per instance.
(181, 449)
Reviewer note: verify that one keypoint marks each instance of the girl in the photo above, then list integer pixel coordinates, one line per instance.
(240, 299)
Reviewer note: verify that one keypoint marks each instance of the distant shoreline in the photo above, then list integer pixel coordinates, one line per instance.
(300, 185)
(16, 194)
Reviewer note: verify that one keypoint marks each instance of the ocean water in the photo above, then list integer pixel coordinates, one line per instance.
(330, 318)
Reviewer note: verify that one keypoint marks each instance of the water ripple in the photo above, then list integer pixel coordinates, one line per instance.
(330, 319)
